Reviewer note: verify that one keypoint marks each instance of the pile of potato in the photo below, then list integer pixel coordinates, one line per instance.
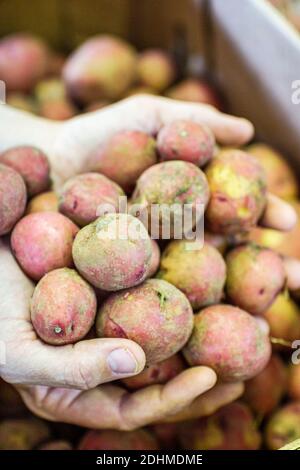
(183, 307)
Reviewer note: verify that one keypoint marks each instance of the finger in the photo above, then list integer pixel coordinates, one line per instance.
(278, 215)
(83, 135)
(83, 365)
(209, 402)
(154, 403)
(292, 269)
(111, 407)
(28, 360)
(228, 130)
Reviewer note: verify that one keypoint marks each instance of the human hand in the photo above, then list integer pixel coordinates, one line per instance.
(63, 383)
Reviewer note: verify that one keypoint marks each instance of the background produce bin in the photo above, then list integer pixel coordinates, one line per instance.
(246, 46)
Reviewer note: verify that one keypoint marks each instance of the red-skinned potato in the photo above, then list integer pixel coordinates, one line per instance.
(294, 381)
(255, 276)
(63, 307)
(32, 164)
(114, 252)
(124, 157)
(187, 188)
(82, 195)
(198, 271)
(103, 67)
(230, 341)
(195, 90)
(157, 373)
(42, 242)
(155, 314)
(186, 140)
(23, 61)
(13, 196)
(238, 192)
(264, 392)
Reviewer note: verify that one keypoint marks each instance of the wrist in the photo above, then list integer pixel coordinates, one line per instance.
(21, 128)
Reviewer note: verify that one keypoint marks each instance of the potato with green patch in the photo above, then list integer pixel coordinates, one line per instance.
(255, 276)
(238, 192)
(114, 252)
(198, 271)
(167, 192)
(156, 315)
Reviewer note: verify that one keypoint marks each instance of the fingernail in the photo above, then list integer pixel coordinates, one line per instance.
(121, 361)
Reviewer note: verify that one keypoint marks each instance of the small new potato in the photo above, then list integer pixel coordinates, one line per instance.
(195, 90)
(124, 157)
(230, 341)
(255, 276)
(103, 67)
(156, 315)
(264, 392)
(63, 307)
(155, 69)
(157, 373)
(186, 140)
(43, 241)
(44, 202)
(178, 190)
(237, 184)
(83, 196)
(32, 164)
(13, 198)
(198, 271)
(114, 252)
(23, 61)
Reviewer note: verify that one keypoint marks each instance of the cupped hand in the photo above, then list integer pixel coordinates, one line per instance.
(69, 383)
(64, 383)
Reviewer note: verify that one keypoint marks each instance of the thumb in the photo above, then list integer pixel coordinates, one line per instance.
(83, 365)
